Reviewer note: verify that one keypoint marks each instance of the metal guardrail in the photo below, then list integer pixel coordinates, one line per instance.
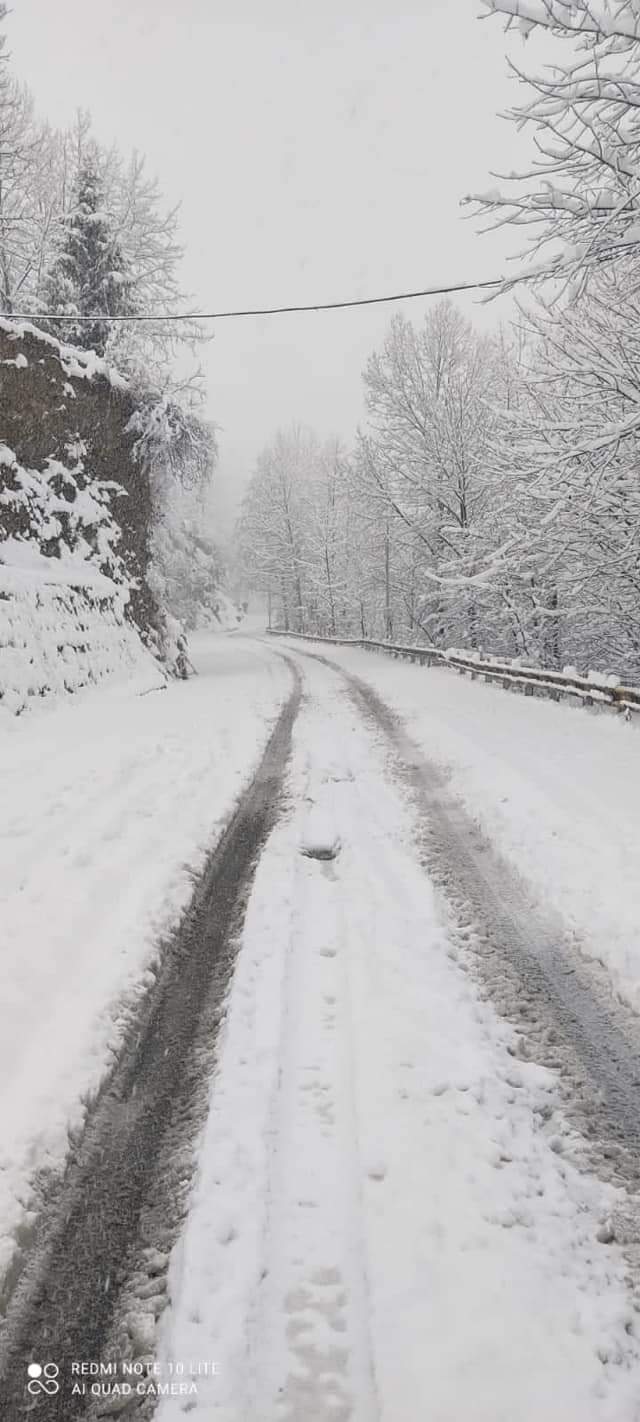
(591, 690)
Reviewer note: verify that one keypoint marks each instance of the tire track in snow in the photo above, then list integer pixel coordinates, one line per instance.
(381, 1226)
(93, 1237)
(564, 1004)
(271, 1274)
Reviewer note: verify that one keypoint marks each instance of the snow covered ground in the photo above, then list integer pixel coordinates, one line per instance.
(388, 1221)
(387, 1225)
(553, 786)
(110, 804)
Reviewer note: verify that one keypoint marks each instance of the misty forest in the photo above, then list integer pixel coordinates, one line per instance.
(489, 500)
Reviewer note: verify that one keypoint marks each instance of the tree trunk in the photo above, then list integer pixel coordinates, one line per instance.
(332, 608)
(388, 620)
(285, 604)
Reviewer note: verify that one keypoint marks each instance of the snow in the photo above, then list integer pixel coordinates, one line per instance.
(601, 18)
(67, 571)
(62, 627)
(82, 523)
(63, 622)
(553, 787)
(110, 804)
(81, 364)
(319, 838)
(226, 616)
(388, 1213)
(387, 1223)
(20, 362)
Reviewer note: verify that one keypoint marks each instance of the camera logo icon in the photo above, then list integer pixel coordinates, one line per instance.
(43, 1377)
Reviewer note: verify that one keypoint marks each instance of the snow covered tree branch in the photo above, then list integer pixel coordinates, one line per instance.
(580, 199)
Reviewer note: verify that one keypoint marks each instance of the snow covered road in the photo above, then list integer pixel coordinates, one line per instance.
(405, 1207)
(554, 788)
(390, 1221)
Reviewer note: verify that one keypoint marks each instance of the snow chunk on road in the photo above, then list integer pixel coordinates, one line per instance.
(320, 838)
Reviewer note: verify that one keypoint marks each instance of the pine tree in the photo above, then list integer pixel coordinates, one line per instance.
(88, 277)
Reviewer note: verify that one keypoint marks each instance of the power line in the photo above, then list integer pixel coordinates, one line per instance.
(261, 311)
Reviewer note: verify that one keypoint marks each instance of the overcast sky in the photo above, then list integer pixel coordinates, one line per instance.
(319, 151)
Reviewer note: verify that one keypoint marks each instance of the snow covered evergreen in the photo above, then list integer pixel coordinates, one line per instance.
(88, 277)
